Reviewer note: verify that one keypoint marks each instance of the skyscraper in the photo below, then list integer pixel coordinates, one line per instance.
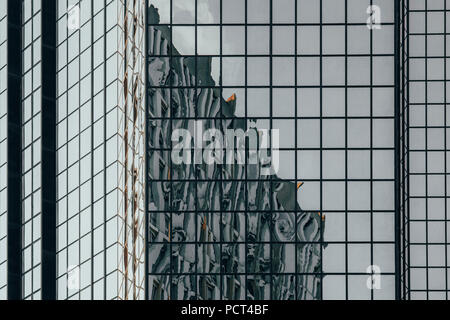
(100, 148)
(94, 92)
(78, 209)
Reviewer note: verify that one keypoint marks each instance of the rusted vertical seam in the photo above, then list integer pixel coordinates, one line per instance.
(125, 89)
(134, 194)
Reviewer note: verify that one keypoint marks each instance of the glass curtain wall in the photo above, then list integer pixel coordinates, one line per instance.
(425, 149)
(322, 77)
(100, 149)
(82, 242)
(31, 149)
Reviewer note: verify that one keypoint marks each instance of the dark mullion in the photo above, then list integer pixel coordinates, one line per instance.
(279, 55)
(300, 242)
(431, 33)
(92, 149)
(49, 170)
(309, 275)
(398, 157)
(246, 120)
(426, 147)
(310, 180)
(171, 264)
(31, 171)
(426, 197)
(407, 201)
(280, 86)
(371, 151)
(296, 213)
(325, 211)
(346, 150)
(321, 150)
(104, 147)
(430, 150)
(197, 215)
(79, 167)
(278, 24)
(306, 118)
(433, 57)
(427, 291)
(428, 10)
(445, 154)
(430, 80)
(14, 157)
(66, 151)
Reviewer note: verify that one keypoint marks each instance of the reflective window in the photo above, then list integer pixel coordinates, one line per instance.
(31, 149)
(74, 132)
(425, 152)
(92, 114)
(311, 73)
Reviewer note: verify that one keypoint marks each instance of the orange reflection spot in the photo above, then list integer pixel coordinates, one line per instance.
(299, 185)
(232, 98)
(170, 233)
(321, 215)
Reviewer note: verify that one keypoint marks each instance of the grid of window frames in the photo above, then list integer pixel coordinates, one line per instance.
(426, 259)
(85, 233)
(31, 149)
(87, 142)
(313, 70)
(3, 150)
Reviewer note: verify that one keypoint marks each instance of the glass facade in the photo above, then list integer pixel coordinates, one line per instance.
(99, 150)
(315, 72)
(3, 149)
(313, 161)
(76, 200)
(425, 134)
(31, 148)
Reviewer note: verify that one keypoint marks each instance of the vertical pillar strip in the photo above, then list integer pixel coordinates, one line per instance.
(146, 156)
(14, 61)
(48, 150)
